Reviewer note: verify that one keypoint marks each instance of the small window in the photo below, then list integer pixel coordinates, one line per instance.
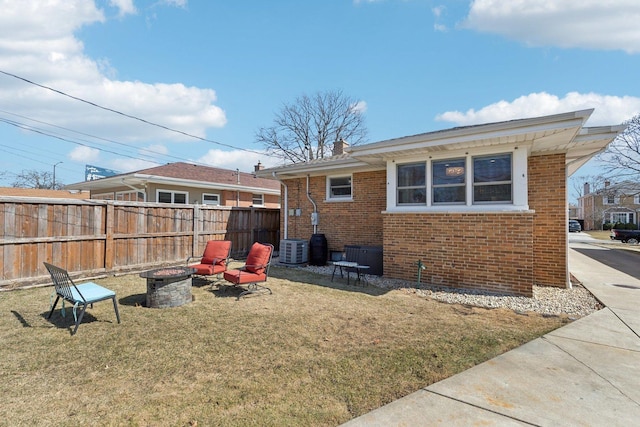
(449, 181)
(412, 184)
(339, 187)
(175, 197)
(492, 179)
(610, 199)
(211, 199)
(257, 199)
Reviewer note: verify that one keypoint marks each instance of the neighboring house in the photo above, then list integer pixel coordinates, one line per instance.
(185, 183)
(42, 193)
(574, 212)
(615, 203)
(482, 207)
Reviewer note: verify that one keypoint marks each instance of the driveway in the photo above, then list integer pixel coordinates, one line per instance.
(621, 256)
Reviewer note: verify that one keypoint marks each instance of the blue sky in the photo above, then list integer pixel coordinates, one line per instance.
(220, 70)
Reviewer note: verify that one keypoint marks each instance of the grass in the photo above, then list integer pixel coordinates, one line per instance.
(315, 353)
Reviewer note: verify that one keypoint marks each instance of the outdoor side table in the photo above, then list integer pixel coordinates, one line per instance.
(349, 265)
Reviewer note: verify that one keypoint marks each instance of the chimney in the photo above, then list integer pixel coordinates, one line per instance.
(258, 167)
(339, 146)
(587, 188)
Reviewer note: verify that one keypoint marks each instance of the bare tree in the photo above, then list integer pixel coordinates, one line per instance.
(622, 156)
(306, 129)
(36, 179)
(583, 184)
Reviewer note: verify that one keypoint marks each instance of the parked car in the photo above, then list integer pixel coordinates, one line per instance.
(626, 236)
(574, 226)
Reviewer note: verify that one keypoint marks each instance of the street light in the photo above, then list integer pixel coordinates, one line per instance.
(54, 175)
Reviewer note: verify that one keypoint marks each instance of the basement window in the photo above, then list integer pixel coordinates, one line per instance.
(211, 199)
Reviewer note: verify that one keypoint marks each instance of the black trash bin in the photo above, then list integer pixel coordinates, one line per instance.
(318, 250)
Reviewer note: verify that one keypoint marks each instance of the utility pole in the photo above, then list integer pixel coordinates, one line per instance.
(53, 185)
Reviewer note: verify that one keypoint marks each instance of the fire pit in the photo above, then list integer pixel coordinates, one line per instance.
(168, 287)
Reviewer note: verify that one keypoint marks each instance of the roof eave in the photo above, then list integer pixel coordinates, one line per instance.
(137, 179)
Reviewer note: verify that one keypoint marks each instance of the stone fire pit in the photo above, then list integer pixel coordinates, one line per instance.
(168, 287)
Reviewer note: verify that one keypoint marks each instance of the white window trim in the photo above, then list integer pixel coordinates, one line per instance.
(209, 203)
(173, 196)
(328, 197)
(253, 198)
(605, 200)
(519, 183)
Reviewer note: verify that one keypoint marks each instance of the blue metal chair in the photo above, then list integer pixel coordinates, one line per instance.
(79, 295)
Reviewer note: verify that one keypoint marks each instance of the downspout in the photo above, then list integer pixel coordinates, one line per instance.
(285, 232)
(315, 207)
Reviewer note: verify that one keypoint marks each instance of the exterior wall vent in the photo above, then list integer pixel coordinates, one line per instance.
(294, 251)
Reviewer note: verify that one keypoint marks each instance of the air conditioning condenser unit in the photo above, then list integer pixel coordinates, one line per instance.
(294, 251)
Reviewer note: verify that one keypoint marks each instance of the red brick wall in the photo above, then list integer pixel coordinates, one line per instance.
(502, 251)
(356, 222)
(548, 197)
(491, 251)
(230, 198)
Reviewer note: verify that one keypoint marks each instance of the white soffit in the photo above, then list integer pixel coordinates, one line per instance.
(588, 143)
(546, 134)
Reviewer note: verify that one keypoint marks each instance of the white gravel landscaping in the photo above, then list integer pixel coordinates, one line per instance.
(574, 302)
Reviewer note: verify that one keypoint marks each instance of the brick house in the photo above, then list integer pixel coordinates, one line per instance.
(614, 203)
(483, 206)
(186, 183)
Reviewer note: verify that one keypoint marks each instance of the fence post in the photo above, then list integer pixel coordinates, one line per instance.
(108, 241)
(253, 234)
(197, 219)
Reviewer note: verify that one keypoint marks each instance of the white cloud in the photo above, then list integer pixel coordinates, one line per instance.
(588, 24)
(609, 110)
(236, 159)
(438, 11)
(37, 42)
(360, 107)
(84, 154)
(176, 3)
(125, 7)
(129, 165)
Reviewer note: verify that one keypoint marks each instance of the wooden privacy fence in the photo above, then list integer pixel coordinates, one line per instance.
(92, 237)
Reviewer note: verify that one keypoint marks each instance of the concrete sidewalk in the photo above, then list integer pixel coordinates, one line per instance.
(586, 373)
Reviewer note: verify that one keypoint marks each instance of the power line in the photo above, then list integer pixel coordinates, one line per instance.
(131, 116)
(35, 130)
(88, 135)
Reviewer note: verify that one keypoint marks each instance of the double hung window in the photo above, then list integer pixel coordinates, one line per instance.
(492, 179)
(412, 184)
(449, 184)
